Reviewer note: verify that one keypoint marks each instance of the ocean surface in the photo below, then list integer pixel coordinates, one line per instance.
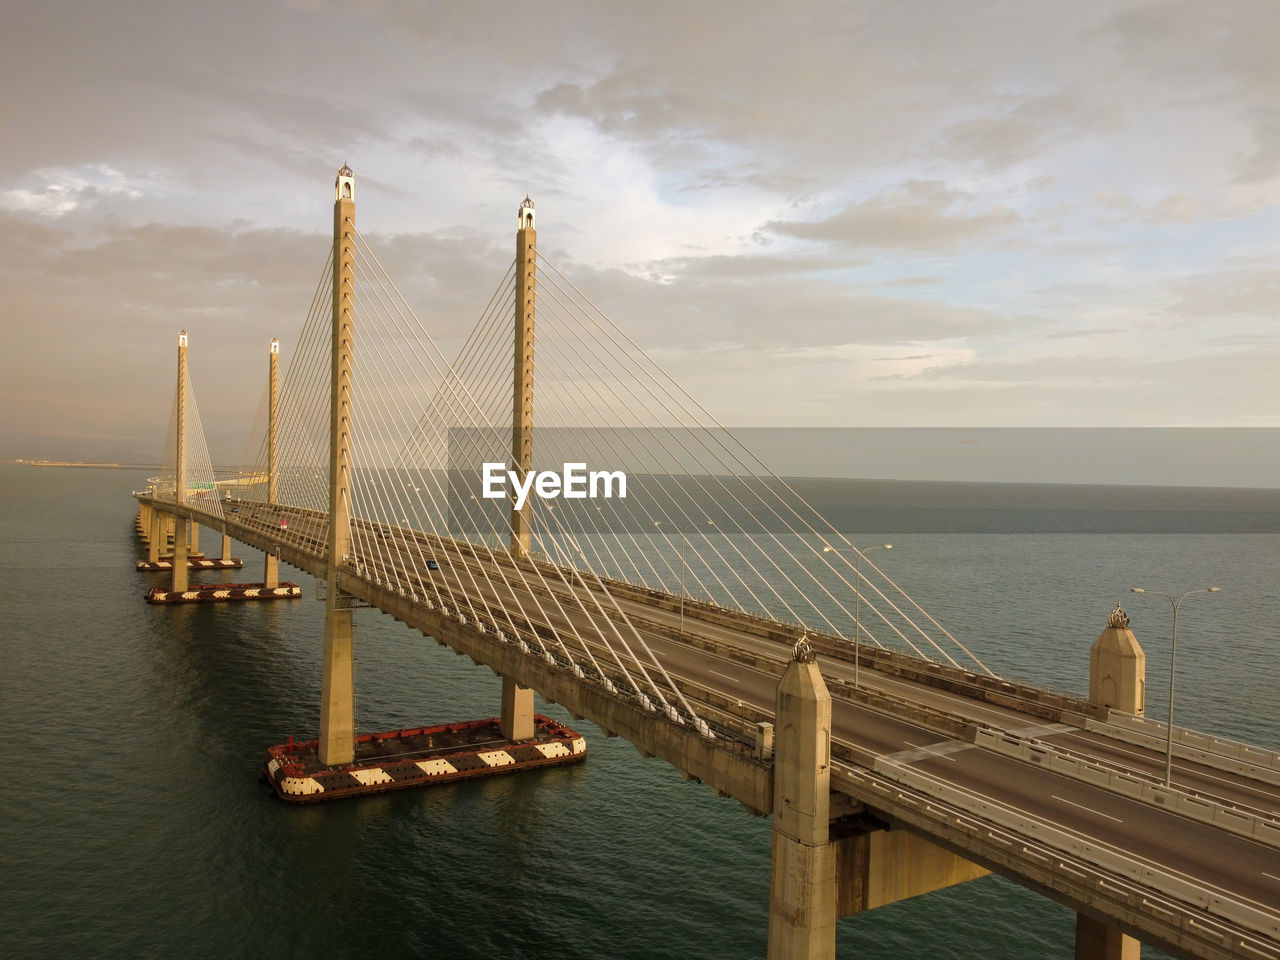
(134, 824)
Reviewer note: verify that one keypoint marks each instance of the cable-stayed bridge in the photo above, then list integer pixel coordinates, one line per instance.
(710, 616)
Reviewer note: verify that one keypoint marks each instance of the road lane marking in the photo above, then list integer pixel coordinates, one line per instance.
(929, 748)
(1054, 796)
(1271, 875)
(725, 675)
(929, 751)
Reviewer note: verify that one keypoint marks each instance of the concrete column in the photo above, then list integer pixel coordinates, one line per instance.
(1096, 940)
(271, 573)
(517, 711)
(802, 881)
(522, 397)
(273, 407)
(180, 486)
(144, 520)
(157, 536)
(1117, 680)
(1118, 667)
(337, 706)
(193, 537)
(226, 547)
(180, 576)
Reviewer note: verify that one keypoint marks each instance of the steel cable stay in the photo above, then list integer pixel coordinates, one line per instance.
(418, 325)
(426, 484)
(716, 430)
(677, 523)
(678, 436)
(545, 619)
(302, 469)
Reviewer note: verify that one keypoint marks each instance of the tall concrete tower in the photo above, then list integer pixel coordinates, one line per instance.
(337, 706)
(180, 473)
(517, 719)
(522, 402)
(271, 575)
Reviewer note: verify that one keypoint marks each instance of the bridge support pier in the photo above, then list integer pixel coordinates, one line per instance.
(271, 573)
(1117, 680)
(226, 547)
(157, 536)
(517, 711)
(193, 537)
(180, 579)
(337, 704)
(802, 880)
(1096, 940)
(877, 866)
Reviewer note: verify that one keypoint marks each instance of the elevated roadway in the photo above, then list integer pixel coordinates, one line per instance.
(1003, 775)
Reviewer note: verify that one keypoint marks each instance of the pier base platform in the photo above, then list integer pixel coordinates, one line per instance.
(193, 563)
(418, 758)
(224, 593)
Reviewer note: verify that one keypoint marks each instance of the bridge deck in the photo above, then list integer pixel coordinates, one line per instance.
(906, 745)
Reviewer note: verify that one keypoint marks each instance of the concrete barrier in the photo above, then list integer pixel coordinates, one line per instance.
(1234, 820)
(1089, 851)
(1217, 752)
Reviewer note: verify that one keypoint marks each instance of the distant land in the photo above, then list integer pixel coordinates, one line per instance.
(84, 463)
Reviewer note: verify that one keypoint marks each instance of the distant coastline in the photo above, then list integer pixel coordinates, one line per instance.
(81, 463)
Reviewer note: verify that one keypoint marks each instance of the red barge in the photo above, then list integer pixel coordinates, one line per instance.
(415, 758)
(221, 592)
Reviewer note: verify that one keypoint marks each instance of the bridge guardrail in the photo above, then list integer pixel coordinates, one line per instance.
(1056, 869)
(1218, 752)
(996, 690)
(1098, 854)
(1241, 822)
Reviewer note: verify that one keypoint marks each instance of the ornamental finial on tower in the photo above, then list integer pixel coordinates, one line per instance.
(1119, 620)
(275, 346)
(524, 216)
(803, 652)
(182, 338)
(345, 186)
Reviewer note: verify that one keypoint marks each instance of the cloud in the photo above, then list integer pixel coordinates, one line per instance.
(1002, 138)
(921, 216)
(58, 191)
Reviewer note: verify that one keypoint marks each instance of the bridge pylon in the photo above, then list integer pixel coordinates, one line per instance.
(337, 704)
(517, 702)
(180, 580)
(271, 574)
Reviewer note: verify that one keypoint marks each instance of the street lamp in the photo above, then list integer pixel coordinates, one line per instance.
(857, 603)
(683, 541)
(1173, 655)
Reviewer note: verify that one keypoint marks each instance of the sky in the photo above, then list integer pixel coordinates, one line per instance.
(900, 214)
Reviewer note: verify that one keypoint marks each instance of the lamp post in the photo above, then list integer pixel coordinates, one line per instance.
(857, 603)
(683, 541)
(1173, 657)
